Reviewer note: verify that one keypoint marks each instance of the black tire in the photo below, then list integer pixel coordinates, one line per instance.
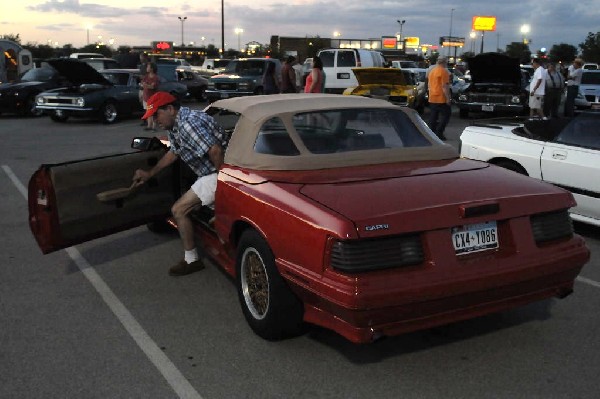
(259, 91)
(59, 116)
(109, 112)
(269, 306)
(511, 165)
(463, 113)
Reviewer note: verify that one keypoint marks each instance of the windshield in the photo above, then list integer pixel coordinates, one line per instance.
(590, 78)
(221, 63)
(38, 75)
(115, 78)
(246, 68)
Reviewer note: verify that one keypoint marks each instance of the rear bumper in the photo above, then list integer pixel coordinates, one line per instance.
(369, 313)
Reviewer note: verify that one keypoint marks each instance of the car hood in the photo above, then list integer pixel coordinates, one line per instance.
(19, 85)
(77, 72)
(371, 76)
(425, 198)
(495, 68)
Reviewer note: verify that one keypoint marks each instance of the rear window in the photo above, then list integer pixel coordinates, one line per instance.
(349, 130)
(327, 58)
(346, 59)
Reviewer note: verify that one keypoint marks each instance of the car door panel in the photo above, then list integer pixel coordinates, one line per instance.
(65, 207)
(577, 170)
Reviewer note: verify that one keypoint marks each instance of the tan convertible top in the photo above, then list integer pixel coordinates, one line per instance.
(255, 110)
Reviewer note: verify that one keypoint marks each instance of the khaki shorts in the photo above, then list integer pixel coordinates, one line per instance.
(205, 187)
(535, 102)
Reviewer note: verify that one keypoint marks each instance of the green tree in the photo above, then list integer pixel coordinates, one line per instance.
(590, 48)
(519, 50)
(562, 52)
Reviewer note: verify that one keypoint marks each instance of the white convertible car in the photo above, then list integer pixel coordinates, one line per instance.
(564, 152)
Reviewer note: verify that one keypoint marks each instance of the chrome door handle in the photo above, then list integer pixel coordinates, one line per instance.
(559, 155)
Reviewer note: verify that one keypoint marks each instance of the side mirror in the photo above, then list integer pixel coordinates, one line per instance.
(146, 143)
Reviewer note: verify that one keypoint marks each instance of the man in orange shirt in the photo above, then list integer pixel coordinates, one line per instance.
(438, 82)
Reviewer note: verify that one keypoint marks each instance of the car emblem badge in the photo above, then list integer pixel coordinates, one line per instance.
(377, 227)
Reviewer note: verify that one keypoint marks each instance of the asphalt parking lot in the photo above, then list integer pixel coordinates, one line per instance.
(104, 320)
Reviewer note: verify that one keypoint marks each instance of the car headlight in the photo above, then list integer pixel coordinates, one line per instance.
(80, 102)
(244, 85)
(462, 97)
(40, 100)
(515, 100)
(211, 85)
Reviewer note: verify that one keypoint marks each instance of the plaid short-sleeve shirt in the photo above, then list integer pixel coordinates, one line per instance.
(192, 135)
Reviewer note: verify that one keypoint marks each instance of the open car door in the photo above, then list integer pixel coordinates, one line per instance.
(73, 202)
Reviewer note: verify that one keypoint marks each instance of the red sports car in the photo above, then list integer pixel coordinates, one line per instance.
(341, 211)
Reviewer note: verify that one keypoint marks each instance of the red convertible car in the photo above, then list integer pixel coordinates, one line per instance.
(340, 211)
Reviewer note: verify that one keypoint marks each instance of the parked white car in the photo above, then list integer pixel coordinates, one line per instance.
(564, 152)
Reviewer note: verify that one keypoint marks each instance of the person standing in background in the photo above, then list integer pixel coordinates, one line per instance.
(143, 65)
(315, 81)
(573, 81)
(438, 83)
(270, 83)
(537, 89)
(150, 84)
(288, 75)
(555, 85)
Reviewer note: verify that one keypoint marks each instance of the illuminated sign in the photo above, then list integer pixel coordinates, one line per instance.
(452, 41)
(411, 42)
(484, 23)
(388, 42)
(162, 47)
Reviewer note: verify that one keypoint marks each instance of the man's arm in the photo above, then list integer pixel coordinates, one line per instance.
(216, 155)
(142, 176)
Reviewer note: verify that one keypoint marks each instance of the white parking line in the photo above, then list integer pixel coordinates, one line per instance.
(588, 281)
(174, 378)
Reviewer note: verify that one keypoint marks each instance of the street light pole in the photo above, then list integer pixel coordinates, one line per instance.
(450, 36)
(238, 32)
(401, 38)
(182, 21)
(222, 28)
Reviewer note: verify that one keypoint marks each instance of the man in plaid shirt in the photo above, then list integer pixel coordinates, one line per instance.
(196, 139)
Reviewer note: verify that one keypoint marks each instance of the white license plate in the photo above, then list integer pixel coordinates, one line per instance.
(595, 105)
(487, 108)
(475, 237)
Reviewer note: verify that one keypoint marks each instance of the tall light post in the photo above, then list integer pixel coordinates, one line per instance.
(473, 36)
(401, 40)
(238, 32)
(222, 28)
(87, 28)
(450, 36)
(525, 29)
(182, 21)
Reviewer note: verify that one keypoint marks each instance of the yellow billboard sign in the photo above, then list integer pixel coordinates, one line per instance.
(411, 42)
(484, 23)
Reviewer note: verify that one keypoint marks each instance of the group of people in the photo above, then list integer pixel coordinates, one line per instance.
(315, 81)
(547, 85)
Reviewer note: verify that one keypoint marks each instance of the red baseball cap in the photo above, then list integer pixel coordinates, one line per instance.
(157, 100)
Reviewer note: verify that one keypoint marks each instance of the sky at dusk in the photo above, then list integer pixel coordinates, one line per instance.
(140, 22)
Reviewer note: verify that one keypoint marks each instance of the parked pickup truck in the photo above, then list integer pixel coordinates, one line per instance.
(242, 77)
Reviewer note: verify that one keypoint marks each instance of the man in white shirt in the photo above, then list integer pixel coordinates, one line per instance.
(537, 89)
(573, 82)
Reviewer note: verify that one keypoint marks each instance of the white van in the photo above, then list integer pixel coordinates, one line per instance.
(338, 64)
